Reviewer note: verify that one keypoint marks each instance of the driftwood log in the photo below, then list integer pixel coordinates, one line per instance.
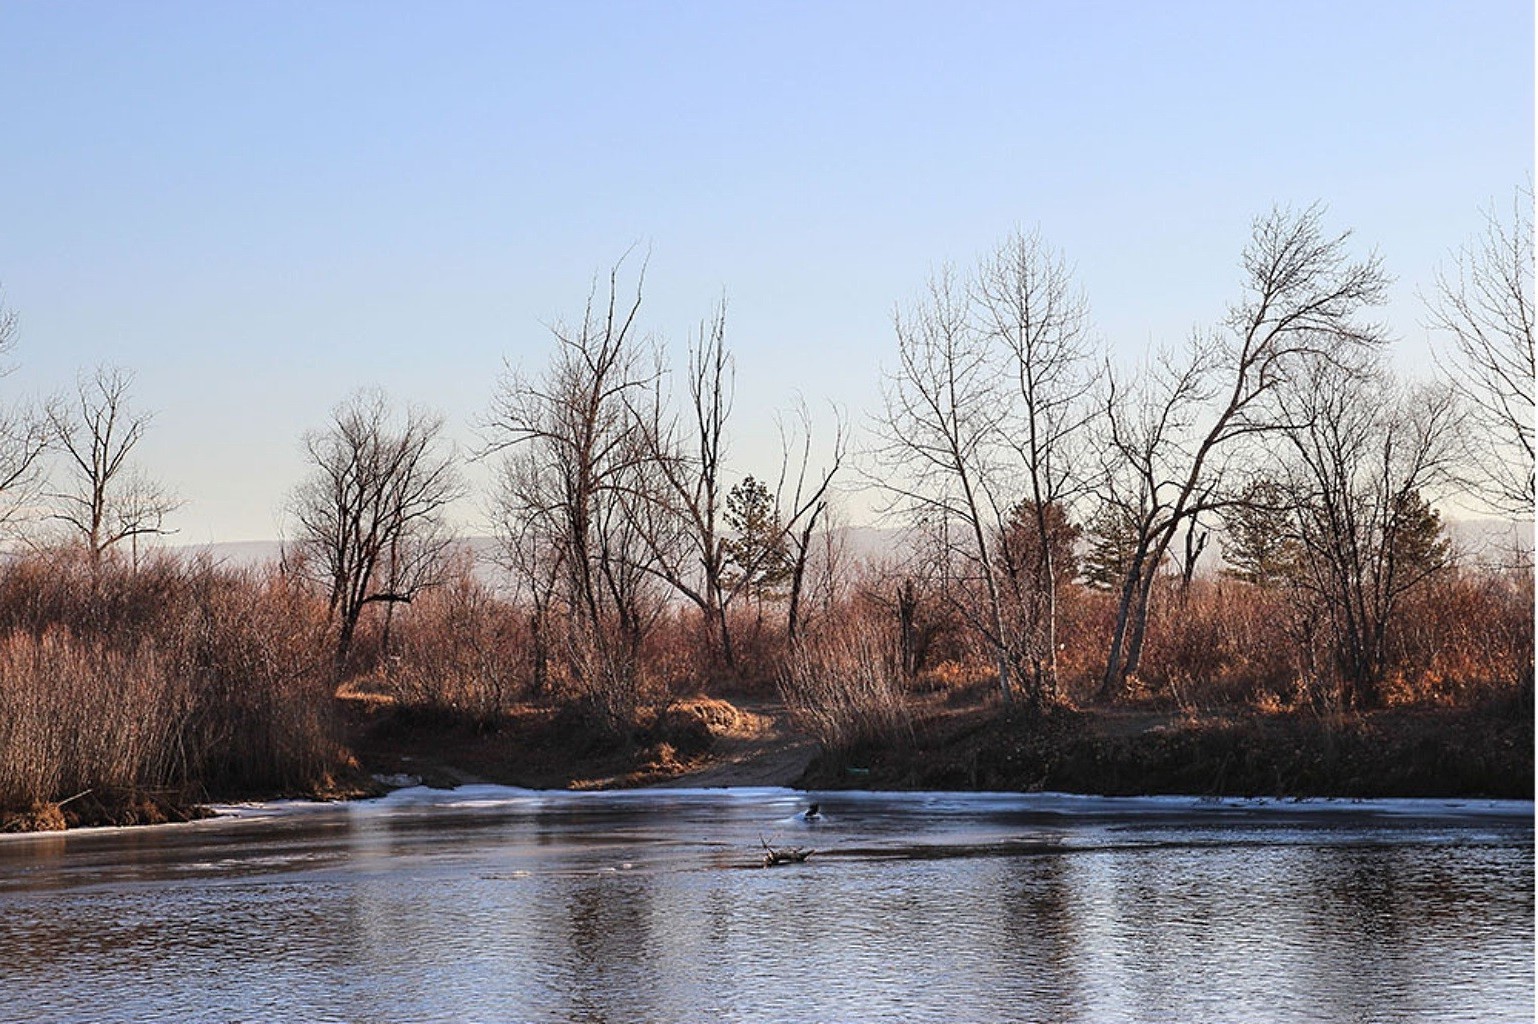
(774, 856)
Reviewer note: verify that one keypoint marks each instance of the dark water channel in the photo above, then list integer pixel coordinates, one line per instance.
(491, 904)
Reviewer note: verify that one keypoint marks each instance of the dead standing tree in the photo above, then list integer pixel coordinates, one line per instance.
(683, 510)
(680, 515)
(108, 500)
(371, 513)
(1169, 434)
(802, 501)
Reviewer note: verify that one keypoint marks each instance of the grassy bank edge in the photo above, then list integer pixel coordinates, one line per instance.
(1480, 752)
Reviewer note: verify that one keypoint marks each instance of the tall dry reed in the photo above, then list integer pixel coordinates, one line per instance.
(176, 675)
(845, 682)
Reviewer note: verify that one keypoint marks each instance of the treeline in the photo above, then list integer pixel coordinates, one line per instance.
(1054, 508)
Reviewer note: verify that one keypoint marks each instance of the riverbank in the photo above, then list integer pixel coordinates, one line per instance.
(1136, 750)
(1483, 751)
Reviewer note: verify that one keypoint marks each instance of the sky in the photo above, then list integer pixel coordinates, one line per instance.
(259, 208)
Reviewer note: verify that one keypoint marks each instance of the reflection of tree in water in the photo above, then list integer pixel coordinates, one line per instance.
(1353, 920)
(1039, 927)
(610, 938)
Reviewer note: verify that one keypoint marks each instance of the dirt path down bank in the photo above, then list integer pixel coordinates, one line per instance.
(763, 749)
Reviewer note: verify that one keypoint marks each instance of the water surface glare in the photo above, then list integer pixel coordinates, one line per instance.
(494, 904)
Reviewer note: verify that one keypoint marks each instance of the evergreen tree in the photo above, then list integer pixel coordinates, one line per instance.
(1260, 544)
(758, 551)
(1113, 540)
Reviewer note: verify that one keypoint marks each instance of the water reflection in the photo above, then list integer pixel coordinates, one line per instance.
(489, 904)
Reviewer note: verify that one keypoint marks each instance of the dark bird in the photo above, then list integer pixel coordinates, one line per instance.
(812, 813)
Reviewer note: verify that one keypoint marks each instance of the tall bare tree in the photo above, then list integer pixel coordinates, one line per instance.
(1028, 304)
(575, 456)
(371, 514)
(1364, 451)
(24, 437)
(984, 415)
(681, 515)
(803, 496)
(107, 500)
(1484, 306)
(1169, 433)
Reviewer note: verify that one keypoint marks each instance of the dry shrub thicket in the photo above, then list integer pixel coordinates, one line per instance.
(178, 677)
(183, 677)
(846, 683)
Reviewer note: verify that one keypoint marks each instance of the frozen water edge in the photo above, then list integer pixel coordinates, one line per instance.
(483, 796)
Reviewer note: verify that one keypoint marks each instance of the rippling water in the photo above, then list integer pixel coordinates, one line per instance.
(492, 904)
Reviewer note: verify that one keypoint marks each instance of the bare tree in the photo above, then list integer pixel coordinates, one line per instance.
(371, 514)
(108, 500)
(1028, 304)
(681, 514)
(802, 499)
(531, 554)
(1168, 435)
(24, 437)
(576, 461)
(938, 450)
(1484, 305)
(980, 436)
(1364, 452)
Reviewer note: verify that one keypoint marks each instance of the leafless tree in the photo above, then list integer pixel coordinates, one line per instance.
(107, 500)
(803, 495)
(1484, 306)
(1364, 451)
(980, 443)
(575, 456)
(1028, 304)
(938, 441)
(1169, 432)
(24, 437)
(677, 500)
(531, 554)
(680, 514)
(371, 514)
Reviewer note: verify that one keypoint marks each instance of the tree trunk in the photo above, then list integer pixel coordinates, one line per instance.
(1113, 685)
(907, 609)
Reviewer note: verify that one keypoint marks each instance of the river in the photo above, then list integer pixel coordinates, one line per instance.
(494, 904)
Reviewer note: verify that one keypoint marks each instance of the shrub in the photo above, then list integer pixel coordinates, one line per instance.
(845, 684)
(177, 675)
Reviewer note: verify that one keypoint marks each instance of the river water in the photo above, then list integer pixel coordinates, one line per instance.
(494, 904)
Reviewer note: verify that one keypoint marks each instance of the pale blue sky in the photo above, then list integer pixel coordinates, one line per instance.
(260, 207)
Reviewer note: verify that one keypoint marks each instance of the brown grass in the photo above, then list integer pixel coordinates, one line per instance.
(178, 676)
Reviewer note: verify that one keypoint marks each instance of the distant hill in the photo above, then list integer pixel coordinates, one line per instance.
(1478, 541)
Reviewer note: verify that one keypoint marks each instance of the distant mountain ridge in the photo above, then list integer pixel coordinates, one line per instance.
(1479, 540)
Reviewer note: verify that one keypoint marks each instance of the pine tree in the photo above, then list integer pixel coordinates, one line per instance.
(1113, 537)
(1260, 544)
(757, 554)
